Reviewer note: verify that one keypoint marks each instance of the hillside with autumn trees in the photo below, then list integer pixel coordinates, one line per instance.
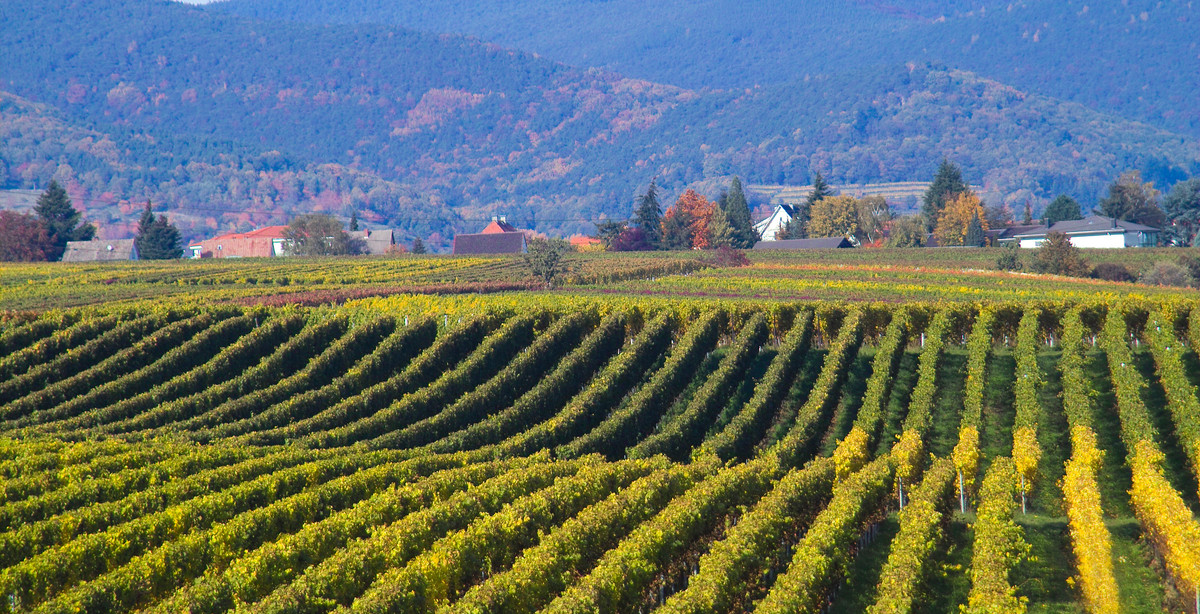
(227, 122)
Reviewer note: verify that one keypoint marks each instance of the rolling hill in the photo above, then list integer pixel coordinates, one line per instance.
(230, 121)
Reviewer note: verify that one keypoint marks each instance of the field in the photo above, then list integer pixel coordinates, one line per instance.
(806, 434)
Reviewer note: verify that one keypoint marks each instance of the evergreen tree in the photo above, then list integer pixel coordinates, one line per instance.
(947, 184)
(737, 212)
(648, 217)
(418, 246)
(354, 221)
(1062, 208)
(157, 239)
(677, 230)
(798, 226)
(794, 228)
(721, 232)
(1182, 207)
(1028, 219)
(61, 221)
(974, 236)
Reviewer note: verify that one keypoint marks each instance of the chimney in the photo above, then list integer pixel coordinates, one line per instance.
(504, 218)
(494, 218)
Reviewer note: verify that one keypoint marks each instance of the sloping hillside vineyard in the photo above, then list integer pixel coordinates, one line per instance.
(601, 454)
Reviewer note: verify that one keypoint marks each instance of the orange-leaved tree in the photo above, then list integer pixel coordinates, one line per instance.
(685, 224)
(962, 222)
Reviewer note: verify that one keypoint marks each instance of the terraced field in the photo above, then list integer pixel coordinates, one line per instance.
(602, 457)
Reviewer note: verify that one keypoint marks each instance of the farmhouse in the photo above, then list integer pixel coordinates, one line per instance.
(377, 241)
(260, 243)
(100, 250)
(1094, 231)
(499, 237)
(769, 227)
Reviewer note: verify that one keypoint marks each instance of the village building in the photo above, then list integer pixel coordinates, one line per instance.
(100, 250)
(264, 242)
(779, 218)
(1093, 231)
(498, 237)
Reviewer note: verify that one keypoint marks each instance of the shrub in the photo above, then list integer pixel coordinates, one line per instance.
(1058, 257)
(1165, 273)
(1112, 271)
(1010, 258)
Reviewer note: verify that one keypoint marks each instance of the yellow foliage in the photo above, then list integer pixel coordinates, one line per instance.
(833, 216)
(1026, 453)
(1089, 536)
(954, 220)
(851, 454)
(966, 454)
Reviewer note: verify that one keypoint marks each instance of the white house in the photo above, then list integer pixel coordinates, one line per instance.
(1094, 231)
(775, 222)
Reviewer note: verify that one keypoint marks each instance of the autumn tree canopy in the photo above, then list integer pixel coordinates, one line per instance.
(962, 217)
(686, 223)
(833, 216)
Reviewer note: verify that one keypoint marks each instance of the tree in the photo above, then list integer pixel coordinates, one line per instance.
(1166, 273)
(689, 219)
(1057, 256)
(676, 229)
(318, 234)
(720, 231)
(648, 216)
(354, 221)
(157, 239)
(61, 221)
(1062, 208)
(947, 184)
(1132, 200)
(1028, 218)
(418, 246)
(799, 222)
(608, 231)
(954, 225)
(23, 238)
(999, 216)
(907, 231)
(737, 210)
(792, 229)
(1182, 209)
(545, 261)
(874, 213)
(834, 216)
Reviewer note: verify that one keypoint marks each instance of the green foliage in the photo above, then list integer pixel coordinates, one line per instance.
(1010, 257)
(1132, 200)
(1182, 209)
(737, 210)
(1167, 273)
(546, 259)
(318, 234)
(647, 217)
(947, 184)
(908, 231)
(1062, 208)
(1056, 256)
(61, 221)
(157, 238)
(418, 247)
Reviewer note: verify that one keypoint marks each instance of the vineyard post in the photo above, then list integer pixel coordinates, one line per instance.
(962, 499)
(1023, 494)
(900, 493)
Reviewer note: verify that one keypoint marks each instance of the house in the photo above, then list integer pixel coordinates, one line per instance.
(1007, 234)
(499, 237)
(818, 243)
(264, 242)
(377, 241)
(100, 250)
(769, 227)
(1093, 231)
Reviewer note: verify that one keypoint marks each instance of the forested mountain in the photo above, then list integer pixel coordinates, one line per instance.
(1139, 59)
(228, 121)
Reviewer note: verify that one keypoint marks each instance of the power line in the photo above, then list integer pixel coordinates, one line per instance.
(423, 217)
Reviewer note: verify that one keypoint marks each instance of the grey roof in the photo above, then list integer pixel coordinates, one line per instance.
(490, 243)
(819, 243)
(379, 241)
(100, 250)
(1089, 225)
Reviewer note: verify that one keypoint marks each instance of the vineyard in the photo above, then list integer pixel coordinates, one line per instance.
(590, 454)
